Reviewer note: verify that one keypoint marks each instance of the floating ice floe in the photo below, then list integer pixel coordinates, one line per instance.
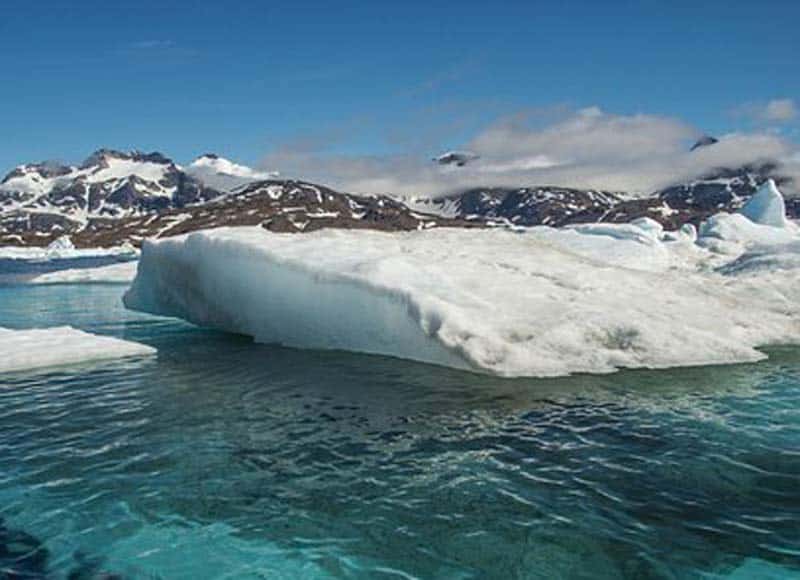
(63, 249)
(62, 345)
(543, 302)
(120, 273)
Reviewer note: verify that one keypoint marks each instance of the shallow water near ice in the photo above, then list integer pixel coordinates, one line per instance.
(221, 458)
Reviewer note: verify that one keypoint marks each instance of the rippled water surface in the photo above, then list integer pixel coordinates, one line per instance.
(224, 459)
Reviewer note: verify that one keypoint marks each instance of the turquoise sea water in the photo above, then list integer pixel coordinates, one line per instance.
(220, 458)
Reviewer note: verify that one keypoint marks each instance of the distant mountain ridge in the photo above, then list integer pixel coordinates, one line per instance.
(550, 206)
(690, 202)
(281, 206)
(115, 197)
(119, 197)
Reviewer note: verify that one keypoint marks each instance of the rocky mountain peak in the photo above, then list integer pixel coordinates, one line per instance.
(45, 169)
(102, 156)
(704, 141)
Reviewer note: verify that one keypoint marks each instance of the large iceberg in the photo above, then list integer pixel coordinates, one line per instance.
(62, 345)
(541, 302)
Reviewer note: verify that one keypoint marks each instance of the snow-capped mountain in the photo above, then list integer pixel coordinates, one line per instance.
(223, 174)
(284, 206)
(41, 201)
(552, 206)
(704, 141)
(457, 158)
(116, 197)
(690, 202)
(109, 183)
(724, 189)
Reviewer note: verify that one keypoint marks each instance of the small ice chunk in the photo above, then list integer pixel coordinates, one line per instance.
(689, 231)
(62, 243)
(733, 233)
(766, 207)
(649, 226)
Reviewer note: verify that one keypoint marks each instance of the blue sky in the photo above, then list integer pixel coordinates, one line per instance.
(246, 78)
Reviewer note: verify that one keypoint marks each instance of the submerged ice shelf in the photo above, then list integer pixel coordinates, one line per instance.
(541, 302)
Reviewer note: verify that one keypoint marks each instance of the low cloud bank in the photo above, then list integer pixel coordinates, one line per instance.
(588, 148)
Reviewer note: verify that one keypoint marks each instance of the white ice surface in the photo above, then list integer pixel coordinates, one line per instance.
(543, 302)
(62, 345)
(640, 245)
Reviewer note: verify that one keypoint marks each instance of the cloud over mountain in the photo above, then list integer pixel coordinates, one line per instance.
(586, 148)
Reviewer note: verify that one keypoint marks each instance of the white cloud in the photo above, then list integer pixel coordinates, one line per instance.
(780, 110)
(588, 148)
(152, 44)
(588, 134)
(774, 111)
